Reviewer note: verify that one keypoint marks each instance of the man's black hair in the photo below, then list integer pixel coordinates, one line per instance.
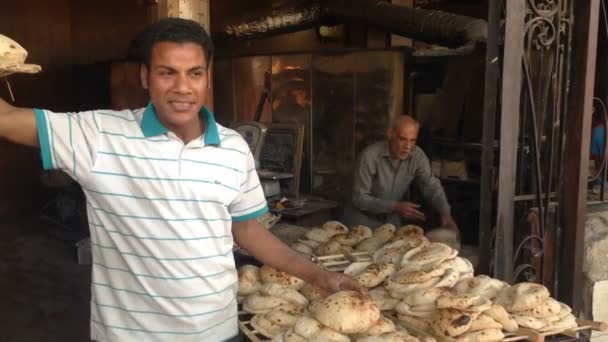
(176, 30)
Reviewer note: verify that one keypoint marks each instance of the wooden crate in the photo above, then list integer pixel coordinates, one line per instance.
(339, 262)
(523, 334)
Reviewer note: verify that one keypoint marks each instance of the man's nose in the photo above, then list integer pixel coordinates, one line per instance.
(182, 84)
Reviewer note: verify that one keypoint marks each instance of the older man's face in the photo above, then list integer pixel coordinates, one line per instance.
(403, 140)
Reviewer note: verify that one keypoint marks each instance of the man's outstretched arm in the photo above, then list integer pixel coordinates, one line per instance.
(18, 125)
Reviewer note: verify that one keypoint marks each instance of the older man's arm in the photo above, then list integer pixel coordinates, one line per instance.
(269, 250)
(432, 191)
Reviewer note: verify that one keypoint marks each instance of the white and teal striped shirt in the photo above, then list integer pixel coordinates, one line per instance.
(160, 214)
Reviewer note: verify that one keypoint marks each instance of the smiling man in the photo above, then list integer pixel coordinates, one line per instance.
(168, 192)
(385, 172)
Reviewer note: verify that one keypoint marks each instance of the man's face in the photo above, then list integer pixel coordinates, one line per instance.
(177, 82)
(403, 140)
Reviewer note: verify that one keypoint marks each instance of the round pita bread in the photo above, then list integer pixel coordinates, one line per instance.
(370, 245)
(529, 322)
(423, 311)
(384, 232)
(259, 304)
(12, 58)
(312, 292)
(499, 314)
(484, 322)
(424, 297)
(289, 336)
(272, 275)
(399, 290)
(329, 335)
(409, 230)
(416, 322)
(565, 323)
(524, 296)
(462, 265)
(329, 248)
(318, 234)
(383, 299)
(302, 248)
(356, 235)
(375, 274)
(489, 335)
(397, 336)
(348, 312)
(481, 285)
(334, 228)
(452, 323)
(391, 253)
(307, 327)
(249, 280)
(356, 267)
(449, 278)
(411, 277)
(465, 303)
(289, 294)
(548, 308)
(266, 327)
(383, 326)
(310, 243)
(426, 256)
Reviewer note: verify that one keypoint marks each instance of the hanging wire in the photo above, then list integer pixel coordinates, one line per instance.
(10, 91)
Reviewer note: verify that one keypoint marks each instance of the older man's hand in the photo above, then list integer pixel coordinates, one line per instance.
(331, 282)
(409, 210)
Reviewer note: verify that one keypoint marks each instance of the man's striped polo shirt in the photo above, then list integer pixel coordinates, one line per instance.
(160, 214)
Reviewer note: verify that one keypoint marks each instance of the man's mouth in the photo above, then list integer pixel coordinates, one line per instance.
(181, 106)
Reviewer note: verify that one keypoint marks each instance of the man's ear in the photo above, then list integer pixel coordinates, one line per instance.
(389, 133)
(143, 75)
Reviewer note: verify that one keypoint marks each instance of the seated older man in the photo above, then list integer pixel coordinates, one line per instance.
(384, 174)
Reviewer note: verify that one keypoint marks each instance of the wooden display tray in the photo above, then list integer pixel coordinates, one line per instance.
(523, 334)
(249, 331)
(339, 262)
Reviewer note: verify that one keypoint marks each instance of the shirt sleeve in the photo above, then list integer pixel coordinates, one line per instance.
(430, 187)
(362, 187)
(597, 143)
(68, 141)
(250, 203)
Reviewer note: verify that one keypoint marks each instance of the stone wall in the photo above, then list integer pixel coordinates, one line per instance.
(595, 267)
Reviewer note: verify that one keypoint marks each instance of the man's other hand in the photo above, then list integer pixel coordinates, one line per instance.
(409, 210)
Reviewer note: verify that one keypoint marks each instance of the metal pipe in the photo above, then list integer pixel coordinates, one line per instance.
(289, 18)
(431, 26)
(436, 27)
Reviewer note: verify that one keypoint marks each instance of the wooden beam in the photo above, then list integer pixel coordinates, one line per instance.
(488, 136)
(509, 133)
(578, 132)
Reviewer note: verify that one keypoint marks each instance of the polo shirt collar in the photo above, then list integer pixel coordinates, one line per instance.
(151, 126)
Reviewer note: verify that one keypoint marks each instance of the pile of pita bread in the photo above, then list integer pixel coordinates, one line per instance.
(532, 307)
(413, 284)
(287, 309)
(332, 238)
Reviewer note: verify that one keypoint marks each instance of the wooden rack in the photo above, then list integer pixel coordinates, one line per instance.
(339, 262)
(524, 334)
